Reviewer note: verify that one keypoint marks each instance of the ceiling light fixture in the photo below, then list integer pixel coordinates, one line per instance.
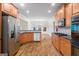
(27, 11)
(53, 4)
(49, 11)
(22, 4)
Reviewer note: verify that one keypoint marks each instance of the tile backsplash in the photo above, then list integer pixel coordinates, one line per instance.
(64, 30)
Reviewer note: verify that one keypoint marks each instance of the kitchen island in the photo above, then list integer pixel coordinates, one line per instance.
(29, 36)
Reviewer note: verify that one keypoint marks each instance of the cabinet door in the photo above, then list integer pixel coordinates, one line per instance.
(9, 9)
(65, 47)
(13, 10)
(68, 14)
(26, 37)
(6, 7)
(61, 12)
(75, 8)
(62, 46)
(53, 39)
(57, 42)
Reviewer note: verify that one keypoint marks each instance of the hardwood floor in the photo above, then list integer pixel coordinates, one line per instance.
(43, 48)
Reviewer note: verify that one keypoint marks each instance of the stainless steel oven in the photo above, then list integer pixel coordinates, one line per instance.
(75, 27)
(75, 34)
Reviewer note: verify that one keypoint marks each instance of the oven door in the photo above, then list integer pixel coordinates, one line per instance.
(75, 27)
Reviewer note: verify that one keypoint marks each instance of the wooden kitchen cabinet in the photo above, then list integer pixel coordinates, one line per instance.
(26, 37)
(53, 40)
(58, 16)
(13, 11)
(68, 14)
(65, 47)
(10, 9)
(56, 41)
(60, 13)
(75, 8)
(6, 7)
(62, 44)
(65, 12)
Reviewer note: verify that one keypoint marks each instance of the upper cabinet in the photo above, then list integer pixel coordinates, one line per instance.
(75, 8)
(68, 14)
(65, 13)
(9, 9)
(60, 14)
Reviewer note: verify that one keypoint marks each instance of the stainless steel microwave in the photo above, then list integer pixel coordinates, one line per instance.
(61, 23)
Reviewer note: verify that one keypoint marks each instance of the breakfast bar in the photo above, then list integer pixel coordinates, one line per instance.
(29, 36)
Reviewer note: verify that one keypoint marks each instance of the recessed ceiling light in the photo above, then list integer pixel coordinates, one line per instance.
(53, 4)
(22, 4)
(49, 11)
(27, 11)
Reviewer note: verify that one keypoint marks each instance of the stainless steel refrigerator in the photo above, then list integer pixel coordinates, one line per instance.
(10, 35)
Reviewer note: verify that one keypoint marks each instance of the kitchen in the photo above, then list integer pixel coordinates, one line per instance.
(59, 25)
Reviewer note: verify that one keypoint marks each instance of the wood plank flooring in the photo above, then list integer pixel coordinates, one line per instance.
(43, 48)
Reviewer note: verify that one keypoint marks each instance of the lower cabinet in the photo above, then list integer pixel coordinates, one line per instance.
(62, 44)
(65, 47)
(56, 41)
(26, 37)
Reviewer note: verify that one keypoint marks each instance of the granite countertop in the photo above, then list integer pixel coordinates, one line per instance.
(68, 37)
(64, 35)
(26, 31)
(74, 42)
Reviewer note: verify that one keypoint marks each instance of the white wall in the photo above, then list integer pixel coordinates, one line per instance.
(28, 24)
(44, 23)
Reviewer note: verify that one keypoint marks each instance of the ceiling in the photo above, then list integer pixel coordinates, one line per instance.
(38, 10)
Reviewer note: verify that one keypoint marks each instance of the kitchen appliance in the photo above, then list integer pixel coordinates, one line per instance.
(61, 23)
(75, 34)
(75, 27)
(10, 35)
